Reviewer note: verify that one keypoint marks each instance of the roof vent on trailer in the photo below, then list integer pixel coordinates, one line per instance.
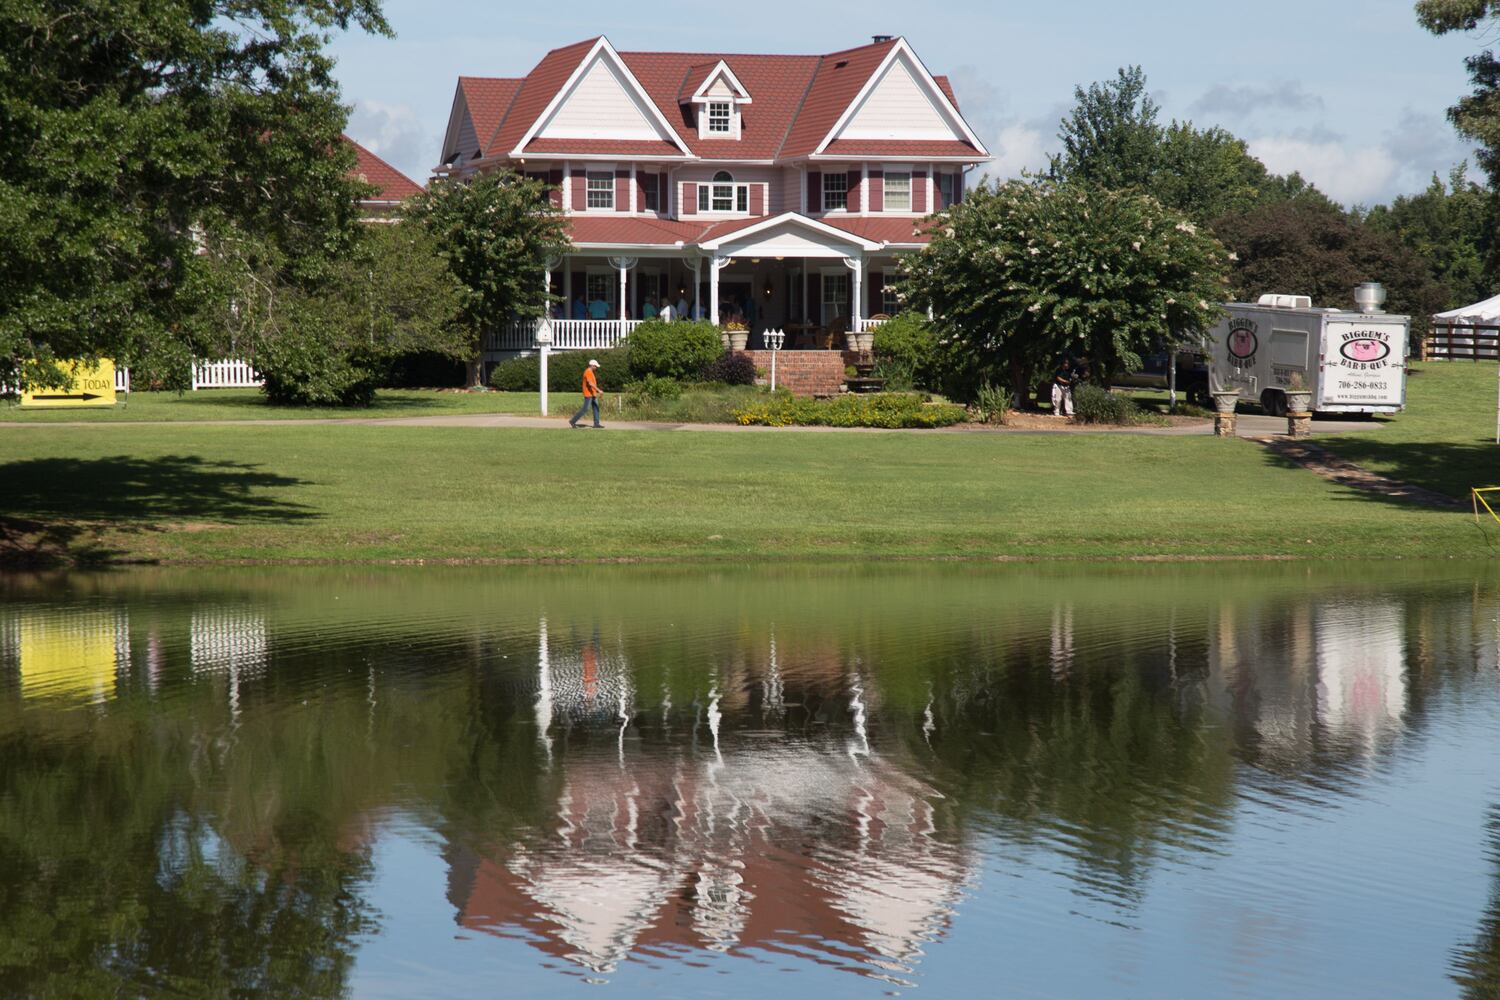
(1285, 301)
(1369, 297)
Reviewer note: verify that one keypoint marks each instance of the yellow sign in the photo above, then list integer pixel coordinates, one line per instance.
(91, 387)
(68, 657)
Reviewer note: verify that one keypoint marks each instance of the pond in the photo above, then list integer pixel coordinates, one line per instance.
(1033, 781)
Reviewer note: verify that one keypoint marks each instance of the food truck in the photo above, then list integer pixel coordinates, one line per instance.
(1352, 361)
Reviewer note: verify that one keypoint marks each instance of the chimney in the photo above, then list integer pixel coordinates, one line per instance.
(877, 39)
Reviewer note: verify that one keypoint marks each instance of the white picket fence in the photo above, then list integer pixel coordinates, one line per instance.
(226, 374)
(567, 335)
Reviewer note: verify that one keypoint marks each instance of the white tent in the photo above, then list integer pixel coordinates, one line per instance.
(1484, 312)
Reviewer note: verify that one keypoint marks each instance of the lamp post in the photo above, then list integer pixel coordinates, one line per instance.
(774, 339)
(544, 347)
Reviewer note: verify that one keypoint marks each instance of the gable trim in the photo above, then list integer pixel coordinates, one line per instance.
(798, 220)
(601, 48)
(923, 77)
(742, 96)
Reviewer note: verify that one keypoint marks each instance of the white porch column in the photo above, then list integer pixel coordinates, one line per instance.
(714, 264)
(697, 283)
(623, 265)
(856, 310)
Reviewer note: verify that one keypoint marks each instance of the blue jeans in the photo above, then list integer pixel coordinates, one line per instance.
(587, 401)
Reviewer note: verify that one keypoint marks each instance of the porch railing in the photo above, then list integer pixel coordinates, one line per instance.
(567, 334)
(1461, 342)
(868, 325)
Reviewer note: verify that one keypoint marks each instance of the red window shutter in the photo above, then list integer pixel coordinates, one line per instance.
(622, 190)
(757, 199)
(689, 199)
(854, 196)
(662, 189)
(876, 284)
(877, 191)
(641, 180)
(815, 191)
(919, 192)
(580, 191)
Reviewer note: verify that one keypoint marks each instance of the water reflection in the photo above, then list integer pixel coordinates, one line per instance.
(829, 773)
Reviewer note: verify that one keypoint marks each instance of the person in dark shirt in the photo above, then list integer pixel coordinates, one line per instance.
(1062, 389)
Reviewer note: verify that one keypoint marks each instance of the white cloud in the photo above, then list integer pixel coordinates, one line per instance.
(1246, 100)
(396, 134)
(1016, 148)
(1348, 172)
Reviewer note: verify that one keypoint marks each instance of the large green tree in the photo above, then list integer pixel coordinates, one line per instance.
(134, 131)
(1024, 272)
(1477, 115)
(497, 233)
(1450, 227)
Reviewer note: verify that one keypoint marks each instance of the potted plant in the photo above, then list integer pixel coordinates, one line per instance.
(1225, 399)
(737, 335)
(1298, 395)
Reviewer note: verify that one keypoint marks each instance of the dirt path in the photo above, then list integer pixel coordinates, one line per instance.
(1328, 465)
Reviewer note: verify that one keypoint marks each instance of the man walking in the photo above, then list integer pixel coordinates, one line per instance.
(1062, 390)
(590, 395)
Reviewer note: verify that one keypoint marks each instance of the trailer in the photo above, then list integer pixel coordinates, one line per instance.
(1352, 361)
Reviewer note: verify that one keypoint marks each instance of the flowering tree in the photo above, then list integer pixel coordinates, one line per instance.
(1023, 273)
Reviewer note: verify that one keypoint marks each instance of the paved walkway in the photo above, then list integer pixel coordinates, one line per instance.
(1250, 425)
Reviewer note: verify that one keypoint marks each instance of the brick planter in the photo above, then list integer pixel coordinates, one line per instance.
(804, 373)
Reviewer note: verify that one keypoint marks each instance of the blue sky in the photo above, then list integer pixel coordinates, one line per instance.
(1352, 93)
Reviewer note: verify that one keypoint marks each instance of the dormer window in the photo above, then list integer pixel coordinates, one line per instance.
(720, 117)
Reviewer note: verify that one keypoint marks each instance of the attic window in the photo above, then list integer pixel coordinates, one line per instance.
(719, 117)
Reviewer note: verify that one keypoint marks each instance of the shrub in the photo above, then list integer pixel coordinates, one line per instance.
(652, 387)
(991, 403)
(887, 409)
(730, 368)
(674, 350)
(1093, 405)
(906, 351)
(564, 371)
(313, 369)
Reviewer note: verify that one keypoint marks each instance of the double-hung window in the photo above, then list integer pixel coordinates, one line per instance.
(835, 191)
(898, 191)
(890, 302)
(945, 189)
(650, 193)
(719, 117)
(724, 195)
(601, 191)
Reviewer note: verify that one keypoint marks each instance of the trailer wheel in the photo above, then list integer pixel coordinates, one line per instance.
(1273, 401)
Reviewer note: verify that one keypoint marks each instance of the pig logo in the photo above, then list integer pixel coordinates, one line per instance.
(1241, 344)
(1364, 350)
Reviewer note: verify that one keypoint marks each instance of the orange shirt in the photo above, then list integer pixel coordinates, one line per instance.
(590, 384)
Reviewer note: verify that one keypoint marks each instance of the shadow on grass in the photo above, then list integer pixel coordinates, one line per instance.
(1450, 468)
(386, 402)
(57, 511)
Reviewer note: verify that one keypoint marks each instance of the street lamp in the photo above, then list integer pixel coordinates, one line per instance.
(774, 339)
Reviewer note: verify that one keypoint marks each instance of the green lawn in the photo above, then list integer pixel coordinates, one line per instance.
(1445, 439)
(250, 404)
(363, 493)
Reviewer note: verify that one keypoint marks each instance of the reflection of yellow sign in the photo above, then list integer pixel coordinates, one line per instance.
(72, 657)
(91, 387)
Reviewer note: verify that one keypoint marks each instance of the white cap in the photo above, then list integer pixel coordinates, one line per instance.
(593, 363)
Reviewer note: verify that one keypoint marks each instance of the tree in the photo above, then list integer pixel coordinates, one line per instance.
(496, 233)
(1112, 138)
(132, 132)
(1448, 226)
(1024, 272)
(1306, 248)
(1477, 115)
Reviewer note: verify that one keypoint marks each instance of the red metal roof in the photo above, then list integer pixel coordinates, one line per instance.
(883, 230)
(631, 231)
(900, 147)
(487, 98)
(536, 92)
(391, 184)
(840, 77)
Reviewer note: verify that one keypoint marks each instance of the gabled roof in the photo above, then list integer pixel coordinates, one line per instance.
(537, 90)
(391, 184)
(700, 77)
(488, 99)
(840, 78)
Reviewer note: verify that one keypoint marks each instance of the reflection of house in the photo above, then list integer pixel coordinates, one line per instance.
(70, 654)
(228, 641)
(783, 845)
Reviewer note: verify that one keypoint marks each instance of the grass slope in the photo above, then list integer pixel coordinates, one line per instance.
(250, 404)
(362, 493)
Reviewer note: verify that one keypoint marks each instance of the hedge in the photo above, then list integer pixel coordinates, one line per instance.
(564, 371)
(887, 409)
(678, 350)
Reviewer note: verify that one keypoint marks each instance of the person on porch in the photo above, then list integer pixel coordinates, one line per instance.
(667, 314)
(682, 307)
(648, 310)
(590, 395)
(580, 311)
(598, 309)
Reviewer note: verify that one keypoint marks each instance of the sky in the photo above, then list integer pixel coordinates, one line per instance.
(1351, 93)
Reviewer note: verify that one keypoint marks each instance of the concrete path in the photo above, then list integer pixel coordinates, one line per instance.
(1250, 425)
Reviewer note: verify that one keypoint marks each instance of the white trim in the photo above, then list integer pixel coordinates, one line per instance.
(903, 158)
(934, 91)
(633, 187)
(798, 219)
(567, 187)
(604, 48)
(721, 69)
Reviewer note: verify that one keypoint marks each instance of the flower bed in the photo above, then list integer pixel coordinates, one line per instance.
(890, 410)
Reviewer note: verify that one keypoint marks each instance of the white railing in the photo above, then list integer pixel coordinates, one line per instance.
(868, 325)
(226, 374)
(567, 334)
